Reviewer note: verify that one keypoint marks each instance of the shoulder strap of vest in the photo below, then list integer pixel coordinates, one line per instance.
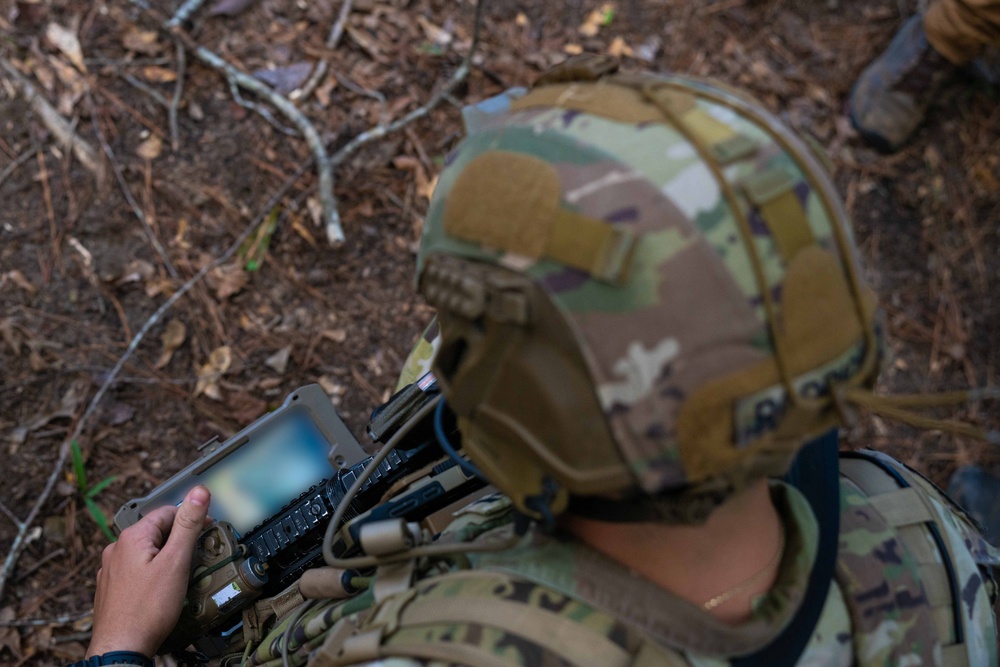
(815, 474)
(905, 508)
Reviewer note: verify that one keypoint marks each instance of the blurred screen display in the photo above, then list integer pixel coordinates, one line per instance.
(280, 461)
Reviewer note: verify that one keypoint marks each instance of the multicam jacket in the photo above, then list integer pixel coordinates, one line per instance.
(554, 601)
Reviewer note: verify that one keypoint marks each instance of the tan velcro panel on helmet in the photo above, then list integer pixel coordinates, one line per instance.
(772, 192)
(521, 213)
(820, 321)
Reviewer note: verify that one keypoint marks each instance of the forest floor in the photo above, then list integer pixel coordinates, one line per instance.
(81, 273)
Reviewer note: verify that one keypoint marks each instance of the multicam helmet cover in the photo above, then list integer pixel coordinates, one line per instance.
(682, 255)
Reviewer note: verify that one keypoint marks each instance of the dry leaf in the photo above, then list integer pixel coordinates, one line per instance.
(367, 43)
(573, 49)
(208, 374)
(18, 279)
(336, 335)
(160, 285)
(10, 638)
(619, 48)
(173, 337)
(228, 279)
(67, 409)
(315, 211)
(142, 41)
(66, 41)
(155, 74)
(136, 271)
(285, 79)
(11, 335)
(279, 360)
(596, 19)
(179, 238)
(302, 231)
(435, 33)
(45, 76)
(229, 7)
(522, 20)
(150, 149)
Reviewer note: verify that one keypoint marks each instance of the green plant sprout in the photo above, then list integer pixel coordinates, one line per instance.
(90, 492)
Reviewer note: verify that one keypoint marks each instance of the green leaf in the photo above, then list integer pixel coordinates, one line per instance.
(609, 16)
(254, 249)
(430, 49)
(100, 486)
(78, 469)
(98, 515)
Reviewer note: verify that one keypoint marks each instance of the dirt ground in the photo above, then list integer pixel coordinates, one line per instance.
(80, 276)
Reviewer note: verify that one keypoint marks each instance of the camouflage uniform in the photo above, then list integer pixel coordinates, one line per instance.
(876, 577)
(742, 331)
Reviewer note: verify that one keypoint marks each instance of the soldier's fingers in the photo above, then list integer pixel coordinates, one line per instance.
(188, 524)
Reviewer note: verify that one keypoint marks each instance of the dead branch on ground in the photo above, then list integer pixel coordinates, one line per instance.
(53, 120)
(323, 168)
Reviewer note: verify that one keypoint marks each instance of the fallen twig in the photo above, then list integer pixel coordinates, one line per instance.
(324, 171)
(259, 109)
(12, 167)
(175, 141)
(53, 120)
(338, 27)
(24, 527)
(183, 13)
(123, 184)
(37, 622)
(383, 129)
(146, 88)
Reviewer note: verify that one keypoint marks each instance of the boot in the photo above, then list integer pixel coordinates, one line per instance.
(979, 493)
(891, 96)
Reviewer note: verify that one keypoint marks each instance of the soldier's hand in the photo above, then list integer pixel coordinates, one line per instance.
(144, 575)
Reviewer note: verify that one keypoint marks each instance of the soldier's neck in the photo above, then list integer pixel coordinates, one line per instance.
(739, 540)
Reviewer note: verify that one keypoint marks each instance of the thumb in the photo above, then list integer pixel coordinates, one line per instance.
(188, 523)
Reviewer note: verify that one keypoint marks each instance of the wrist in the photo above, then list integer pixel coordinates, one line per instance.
(101, 646)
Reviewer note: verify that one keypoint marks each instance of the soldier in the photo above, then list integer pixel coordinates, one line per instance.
(649, 306)
(891, 96)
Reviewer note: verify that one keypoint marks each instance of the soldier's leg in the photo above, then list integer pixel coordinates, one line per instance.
(959, 29)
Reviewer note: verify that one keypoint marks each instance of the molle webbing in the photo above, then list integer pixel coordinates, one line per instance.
(907, 511)
(411, 626)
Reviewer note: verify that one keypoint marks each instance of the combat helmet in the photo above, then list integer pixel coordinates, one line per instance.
(648, 293)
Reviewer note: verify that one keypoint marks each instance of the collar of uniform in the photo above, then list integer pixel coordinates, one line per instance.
(572, 568)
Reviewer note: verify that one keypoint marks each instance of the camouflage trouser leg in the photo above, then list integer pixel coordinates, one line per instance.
(959, 29)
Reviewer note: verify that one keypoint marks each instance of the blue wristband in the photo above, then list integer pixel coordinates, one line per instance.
(115, 658)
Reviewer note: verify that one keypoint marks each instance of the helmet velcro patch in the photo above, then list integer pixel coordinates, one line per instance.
(512, 202)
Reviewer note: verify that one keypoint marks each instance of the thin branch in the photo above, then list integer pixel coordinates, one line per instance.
(10, 515)
(12, 167)
(175, 142)
(37, 622)
(346, 82)
(183, 13)
(123, 184)
(53, 120)
(335, 232)
(338, 27)
(149, 90)
(20, 540)
(383, 129)
(259, 109)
